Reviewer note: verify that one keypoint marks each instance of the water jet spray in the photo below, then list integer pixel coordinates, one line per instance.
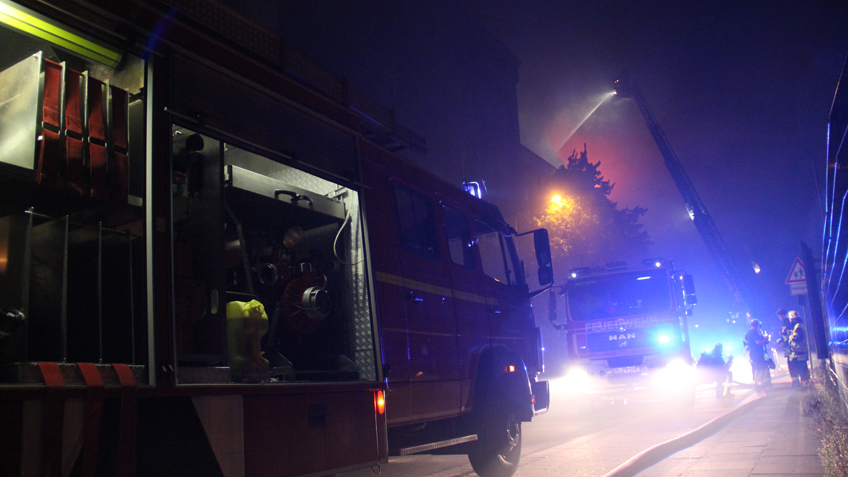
(586, 118)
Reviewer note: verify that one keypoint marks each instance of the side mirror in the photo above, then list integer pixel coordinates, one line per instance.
(546, 275)
(689, 290)
(552, 315)
(543, 256)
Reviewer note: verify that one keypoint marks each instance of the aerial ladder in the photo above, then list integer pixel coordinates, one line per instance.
(740, 284)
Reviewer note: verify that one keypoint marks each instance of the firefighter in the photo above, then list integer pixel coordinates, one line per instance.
(755, 342)
(784, 335)
(798, 352)
(716, 369)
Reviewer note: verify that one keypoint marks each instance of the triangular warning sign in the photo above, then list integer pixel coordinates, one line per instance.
(796, 273)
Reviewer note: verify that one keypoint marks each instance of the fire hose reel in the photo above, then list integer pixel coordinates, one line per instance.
(316, 303)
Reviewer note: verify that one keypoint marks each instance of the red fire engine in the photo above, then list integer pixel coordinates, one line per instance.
(211, 264)
(625, 324)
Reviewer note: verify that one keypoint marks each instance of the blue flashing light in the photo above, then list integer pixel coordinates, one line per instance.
(643, 278)
(579, 272)
(656, 262)
(473, 188)
(663, 337)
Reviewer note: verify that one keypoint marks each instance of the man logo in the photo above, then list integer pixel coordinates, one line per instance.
(623, 336)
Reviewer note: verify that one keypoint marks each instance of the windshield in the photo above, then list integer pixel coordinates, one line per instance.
(622, 294)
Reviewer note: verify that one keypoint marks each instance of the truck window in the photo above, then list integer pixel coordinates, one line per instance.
(618, 295)
(492, 253)
(417, 222)
(459, 237)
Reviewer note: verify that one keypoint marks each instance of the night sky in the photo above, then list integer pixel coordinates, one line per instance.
(742, 90)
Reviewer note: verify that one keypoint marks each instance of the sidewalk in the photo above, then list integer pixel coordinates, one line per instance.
(771, 437)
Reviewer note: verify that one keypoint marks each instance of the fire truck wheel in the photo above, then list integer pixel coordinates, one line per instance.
(497, 451)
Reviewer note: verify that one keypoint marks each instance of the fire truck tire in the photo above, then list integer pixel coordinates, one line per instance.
(497, 451)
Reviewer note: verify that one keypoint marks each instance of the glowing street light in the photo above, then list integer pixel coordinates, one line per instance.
(556, 199)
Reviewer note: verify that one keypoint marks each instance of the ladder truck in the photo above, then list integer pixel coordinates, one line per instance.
(741, 286)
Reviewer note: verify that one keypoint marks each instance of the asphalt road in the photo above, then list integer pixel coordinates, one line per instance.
(585, 435)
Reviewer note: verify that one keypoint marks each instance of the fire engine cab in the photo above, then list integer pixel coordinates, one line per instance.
(624, 324)
(212, 264)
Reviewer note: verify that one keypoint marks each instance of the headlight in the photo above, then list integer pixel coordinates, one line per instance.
(677, 374)
(577, 380)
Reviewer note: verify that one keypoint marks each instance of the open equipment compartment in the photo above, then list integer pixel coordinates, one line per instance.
(282, 236)
(72, 243)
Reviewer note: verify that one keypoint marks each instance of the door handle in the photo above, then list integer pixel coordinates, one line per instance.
(411, 296)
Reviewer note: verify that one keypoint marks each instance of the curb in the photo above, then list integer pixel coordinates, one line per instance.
(652, 455)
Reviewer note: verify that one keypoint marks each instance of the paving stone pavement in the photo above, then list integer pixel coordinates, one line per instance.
(774, 438)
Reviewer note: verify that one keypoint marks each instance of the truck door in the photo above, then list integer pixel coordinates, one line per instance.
(426, 288)
(471, 297)
(388, 283)
(511, 320)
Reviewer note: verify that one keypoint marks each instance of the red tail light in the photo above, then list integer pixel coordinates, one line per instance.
(379, 402)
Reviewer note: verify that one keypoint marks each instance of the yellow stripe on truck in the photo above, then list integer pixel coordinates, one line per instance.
(391, 279)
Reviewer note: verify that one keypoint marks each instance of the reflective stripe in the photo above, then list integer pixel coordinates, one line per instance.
(475, 298)
(93, 416)
(390, 279)
(54, 418)
(128, 420)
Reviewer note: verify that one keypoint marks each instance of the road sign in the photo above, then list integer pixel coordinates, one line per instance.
(797, 289)
(796, 273)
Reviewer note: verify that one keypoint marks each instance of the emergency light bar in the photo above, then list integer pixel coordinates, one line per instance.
(576, 272)
(474, 188)
(656, 262)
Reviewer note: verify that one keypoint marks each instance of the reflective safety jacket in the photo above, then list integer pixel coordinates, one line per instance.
(784, 335)
(798, 343)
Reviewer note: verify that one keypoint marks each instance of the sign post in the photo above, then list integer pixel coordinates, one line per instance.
(797, 279)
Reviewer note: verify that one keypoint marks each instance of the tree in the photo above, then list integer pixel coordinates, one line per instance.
(586, 228)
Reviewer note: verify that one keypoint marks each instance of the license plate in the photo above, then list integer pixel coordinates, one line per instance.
(626, 369)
